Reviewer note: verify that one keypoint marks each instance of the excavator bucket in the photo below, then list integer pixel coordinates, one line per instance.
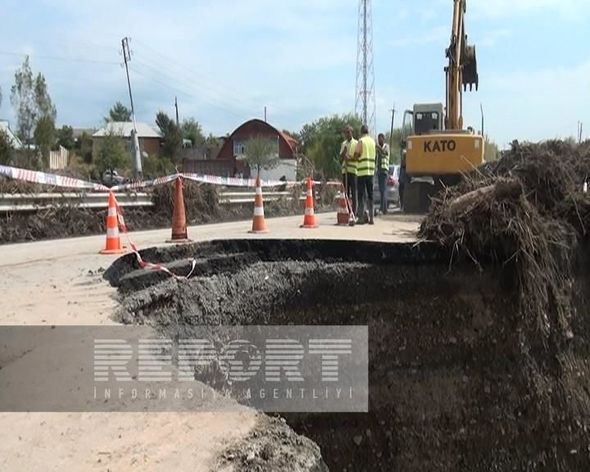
(469, 65)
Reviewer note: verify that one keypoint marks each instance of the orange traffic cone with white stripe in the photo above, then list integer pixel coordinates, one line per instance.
(113, 244)
(179, 231)
(258, 221)
(309, 217)
(343, 215)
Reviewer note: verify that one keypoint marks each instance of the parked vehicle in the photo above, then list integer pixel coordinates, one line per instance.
(392, 191)
(111, 178)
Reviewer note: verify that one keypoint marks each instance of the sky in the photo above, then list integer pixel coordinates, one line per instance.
(226, 60)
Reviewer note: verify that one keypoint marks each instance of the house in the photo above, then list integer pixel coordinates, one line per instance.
(13, 138)
(230, 158)
(150, 140)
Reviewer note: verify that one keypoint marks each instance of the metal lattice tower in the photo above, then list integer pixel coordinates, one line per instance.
(365, 107)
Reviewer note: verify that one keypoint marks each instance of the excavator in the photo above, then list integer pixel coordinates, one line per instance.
(436, 149)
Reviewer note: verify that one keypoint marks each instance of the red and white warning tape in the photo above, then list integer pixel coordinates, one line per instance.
(148, 265)
(69, 182)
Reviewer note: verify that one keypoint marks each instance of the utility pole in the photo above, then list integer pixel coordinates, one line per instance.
(365, 107)
(137, 170)
(265, 114)
(580, 130)
(176, 107)
(391, 132)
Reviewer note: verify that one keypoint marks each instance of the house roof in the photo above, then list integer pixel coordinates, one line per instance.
(124, 128)
(16, 143)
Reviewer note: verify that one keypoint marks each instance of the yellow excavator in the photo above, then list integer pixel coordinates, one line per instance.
(435, 147)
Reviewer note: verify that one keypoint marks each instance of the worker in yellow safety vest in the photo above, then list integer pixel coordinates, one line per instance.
(349, 166)
(382, 171)
(365, 173)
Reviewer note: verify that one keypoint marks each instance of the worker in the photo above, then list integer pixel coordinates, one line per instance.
(349, 178)
(365, 155)
(382, 170)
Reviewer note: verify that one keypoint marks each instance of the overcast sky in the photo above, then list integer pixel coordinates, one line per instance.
(227, 59)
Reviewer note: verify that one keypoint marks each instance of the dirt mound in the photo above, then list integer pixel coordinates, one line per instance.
(528, 212)
(273, 446)
(201, 203)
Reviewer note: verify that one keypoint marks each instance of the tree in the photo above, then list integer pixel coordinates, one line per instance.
(6, 149)
(261, 153)
(320, 141)
(65, 137)
(112, 154)
(171, 134)
(22, 97)
(118, 112)
(395, 148)
(491, 150)
(84, 145)
(44, 135)
(34, 109)
(191, 129)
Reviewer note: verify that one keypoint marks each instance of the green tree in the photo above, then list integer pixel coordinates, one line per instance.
(22, 97)
(191, 129)
(44, 135)
(171, 134)
(84, 146)
(112, 154)
(65, 137)
(6, 149)
(118, 112)
(34, 109)
(261, 153)
(395, 147)
(491, 152)
(320, 141)
(211, 140)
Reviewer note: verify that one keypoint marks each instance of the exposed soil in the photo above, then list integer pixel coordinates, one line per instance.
(449, 386)
(478, 340)
(201, 203)
(272, 446)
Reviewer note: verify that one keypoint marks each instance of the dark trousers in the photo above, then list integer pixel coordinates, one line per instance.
(365, 191)
(382, 179)
(349, 181)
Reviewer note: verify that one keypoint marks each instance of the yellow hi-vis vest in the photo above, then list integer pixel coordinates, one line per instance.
(349, 166)
(383, 158)
(366, 164)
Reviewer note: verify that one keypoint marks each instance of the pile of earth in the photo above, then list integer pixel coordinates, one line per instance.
(530, 213)
(201, 203)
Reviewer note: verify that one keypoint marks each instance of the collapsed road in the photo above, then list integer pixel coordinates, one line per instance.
(478, 340)
(445, 375)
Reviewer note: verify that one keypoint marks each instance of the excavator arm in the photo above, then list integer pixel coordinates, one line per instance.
(461, 70)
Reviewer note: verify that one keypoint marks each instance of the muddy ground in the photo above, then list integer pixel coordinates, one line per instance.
(449, 388)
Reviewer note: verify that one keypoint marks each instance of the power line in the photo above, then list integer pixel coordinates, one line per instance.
(176, 89)
(170, 80)
(58, 58)
(190, 74)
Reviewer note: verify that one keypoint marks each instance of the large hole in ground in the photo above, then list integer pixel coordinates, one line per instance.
(448, 387)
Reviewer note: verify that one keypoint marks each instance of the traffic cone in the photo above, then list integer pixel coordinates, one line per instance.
(113, 243)
(179, 231)
(343, 215)
(258, 221)
(309, 217)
